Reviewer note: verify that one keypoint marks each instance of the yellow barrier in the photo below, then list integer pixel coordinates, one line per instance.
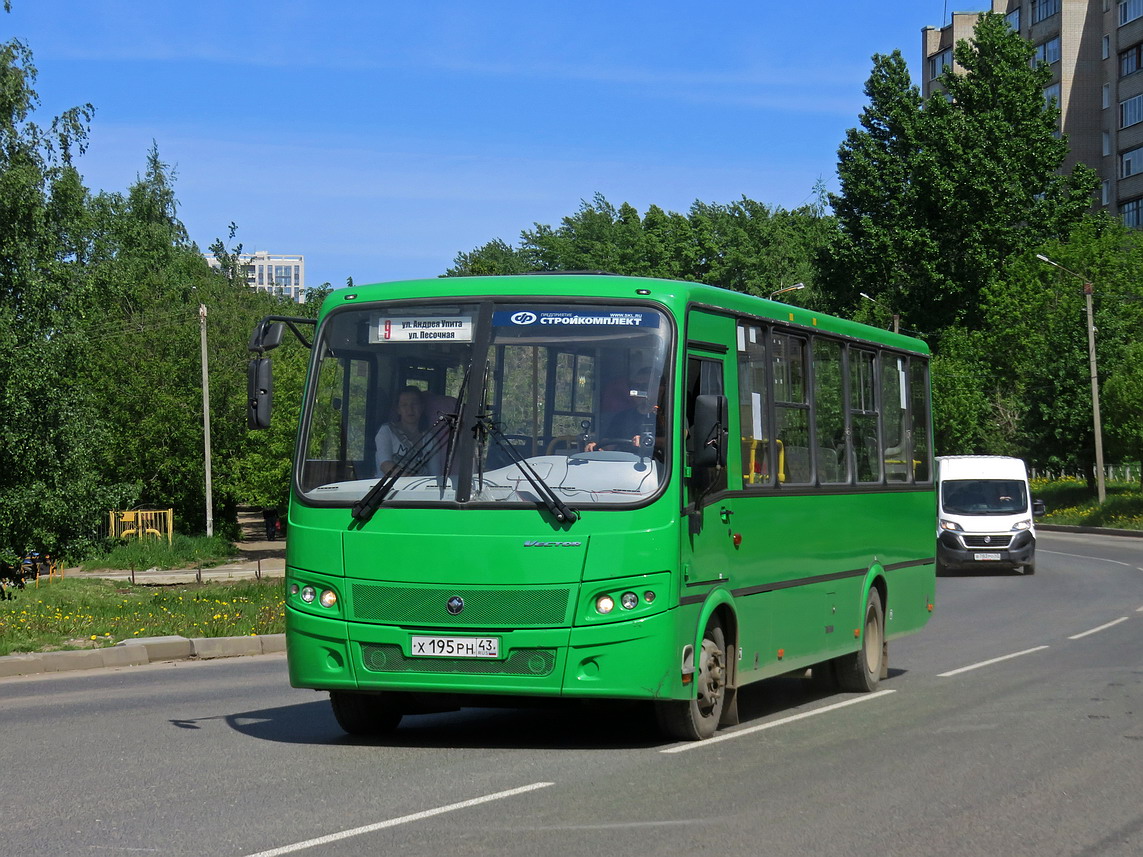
(137, 523)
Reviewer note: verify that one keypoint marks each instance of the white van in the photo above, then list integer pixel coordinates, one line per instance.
(985, 514)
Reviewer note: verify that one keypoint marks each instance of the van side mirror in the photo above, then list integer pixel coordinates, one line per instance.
(710, 429)
(259, 393)
(1038, 508)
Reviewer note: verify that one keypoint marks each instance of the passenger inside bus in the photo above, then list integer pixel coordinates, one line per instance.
(400, 436)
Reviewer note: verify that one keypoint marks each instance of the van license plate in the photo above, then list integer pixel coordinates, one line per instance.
(986, 557)
(454, 647)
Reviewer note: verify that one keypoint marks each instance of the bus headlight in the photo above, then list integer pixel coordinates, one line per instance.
(604, 604)
(328, 598)
(629, 600)
(308, 594)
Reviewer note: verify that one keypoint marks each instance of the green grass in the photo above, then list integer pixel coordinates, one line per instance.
(1071, 503)
(73, 613)
(182, 552)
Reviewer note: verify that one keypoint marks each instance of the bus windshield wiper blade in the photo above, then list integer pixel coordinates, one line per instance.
(429, 444)
(559, 509)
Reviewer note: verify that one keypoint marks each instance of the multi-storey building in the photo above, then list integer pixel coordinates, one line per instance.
(1095, 51)
(278, 274)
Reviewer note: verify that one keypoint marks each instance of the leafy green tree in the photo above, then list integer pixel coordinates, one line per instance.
(1122, 406)
(937, 196)
(744, 245)
(52, 426)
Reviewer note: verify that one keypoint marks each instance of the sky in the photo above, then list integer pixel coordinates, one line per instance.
(380, 138)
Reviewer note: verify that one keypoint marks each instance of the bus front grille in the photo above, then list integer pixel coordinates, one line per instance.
(483, 608)
(523, 662)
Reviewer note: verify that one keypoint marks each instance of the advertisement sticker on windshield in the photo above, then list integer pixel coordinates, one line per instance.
(549, 319)
(426, 329)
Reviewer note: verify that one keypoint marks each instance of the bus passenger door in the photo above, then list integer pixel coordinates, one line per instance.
(709, 510)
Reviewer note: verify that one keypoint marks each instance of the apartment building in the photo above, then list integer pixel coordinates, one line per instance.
(1095, 51)
(283, 275)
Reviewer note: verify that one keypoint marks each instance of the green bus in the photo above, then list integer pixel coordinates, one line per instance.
(587, 486)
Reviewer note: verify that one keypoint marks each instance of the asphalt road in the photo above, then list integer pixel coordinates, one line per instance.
(1012, 725)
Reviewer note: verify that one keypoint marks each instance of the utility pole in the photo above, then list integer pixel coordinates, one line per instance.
(206, 419)
(1097, 425)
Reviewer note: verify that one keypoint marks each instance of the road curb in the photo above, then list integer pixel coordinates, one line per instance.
(1098, 531)
(142, 651)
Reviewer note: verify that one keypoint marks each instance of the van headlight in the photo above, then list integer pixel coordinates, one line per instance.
(1022, 525)
(951, 526)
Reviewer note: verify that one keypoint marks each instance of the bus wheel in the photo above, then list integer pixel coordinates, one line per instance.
(863, 670)
(364, 713)
(695, 719)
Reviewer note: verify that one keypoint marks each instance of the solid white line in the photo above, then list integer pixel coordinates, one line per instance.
(1100, 628)
(1094, 558)
(990, 662)
(727, 736)
(393, 822)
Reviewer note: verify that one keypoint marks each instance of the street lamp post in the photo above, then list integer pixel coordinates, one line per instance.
(792, 288)
(1100, 485)
(206, 419)
(896, 316)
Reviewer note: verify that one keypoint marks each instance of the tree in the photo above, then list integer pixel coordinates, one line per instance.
(937, 196)
(743, 245)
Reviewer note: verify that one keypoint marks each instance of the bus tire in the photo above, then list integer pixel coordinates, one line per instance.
(364, 713)
(862, 671)
(698, 718)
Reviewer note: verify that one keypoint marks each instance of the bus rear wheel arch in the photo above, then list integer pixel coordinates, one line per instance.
(862, 671)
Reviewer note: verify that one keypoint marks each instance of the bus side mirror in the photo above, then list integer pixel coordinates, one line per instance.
(710, 431)
(260, 393)
(267, 335)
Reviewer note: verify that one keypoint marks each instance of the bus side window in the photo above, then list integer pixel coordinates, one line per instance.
(754, 407)
(863, 415)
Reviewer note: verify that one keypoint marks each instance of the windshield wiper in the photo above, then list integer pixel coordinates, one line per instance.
(563, 513)
(424, 449)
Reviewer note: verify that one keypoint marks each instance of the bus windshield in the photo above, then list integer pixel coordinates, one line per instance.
(502, 403)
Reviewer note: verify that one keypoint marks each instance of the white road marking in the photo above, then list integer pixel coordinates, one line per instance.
(393, 822)
(1100, 628)
(727, 736)
(1093, 558)
(990, 662)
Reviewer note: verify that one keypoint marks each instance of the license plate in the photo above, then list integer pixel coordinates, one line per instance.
(985, 557)
(454, 647)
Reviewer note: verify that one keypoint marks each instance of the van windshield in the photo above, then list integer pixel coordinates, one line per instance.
(984, 497)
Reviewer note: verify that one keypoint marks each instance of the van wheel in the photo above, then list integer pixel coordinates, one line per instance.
(696, 719)
(364, 713)
(862, 671)
(1029, 568)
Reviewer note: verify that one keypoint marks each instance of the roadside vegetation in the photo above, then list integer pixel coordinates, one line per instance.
(182, 552)
(83, 613)
(1071, 502)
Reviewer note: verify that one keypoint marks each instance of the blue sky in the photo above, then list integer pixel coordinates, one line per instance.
(380, 138)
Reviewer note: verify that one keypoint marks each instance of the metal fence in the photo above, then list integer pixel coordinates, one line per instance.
(138, 523)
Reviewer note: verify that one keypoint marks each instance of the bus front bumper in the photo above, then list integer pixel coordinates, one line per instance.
(637, 659)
